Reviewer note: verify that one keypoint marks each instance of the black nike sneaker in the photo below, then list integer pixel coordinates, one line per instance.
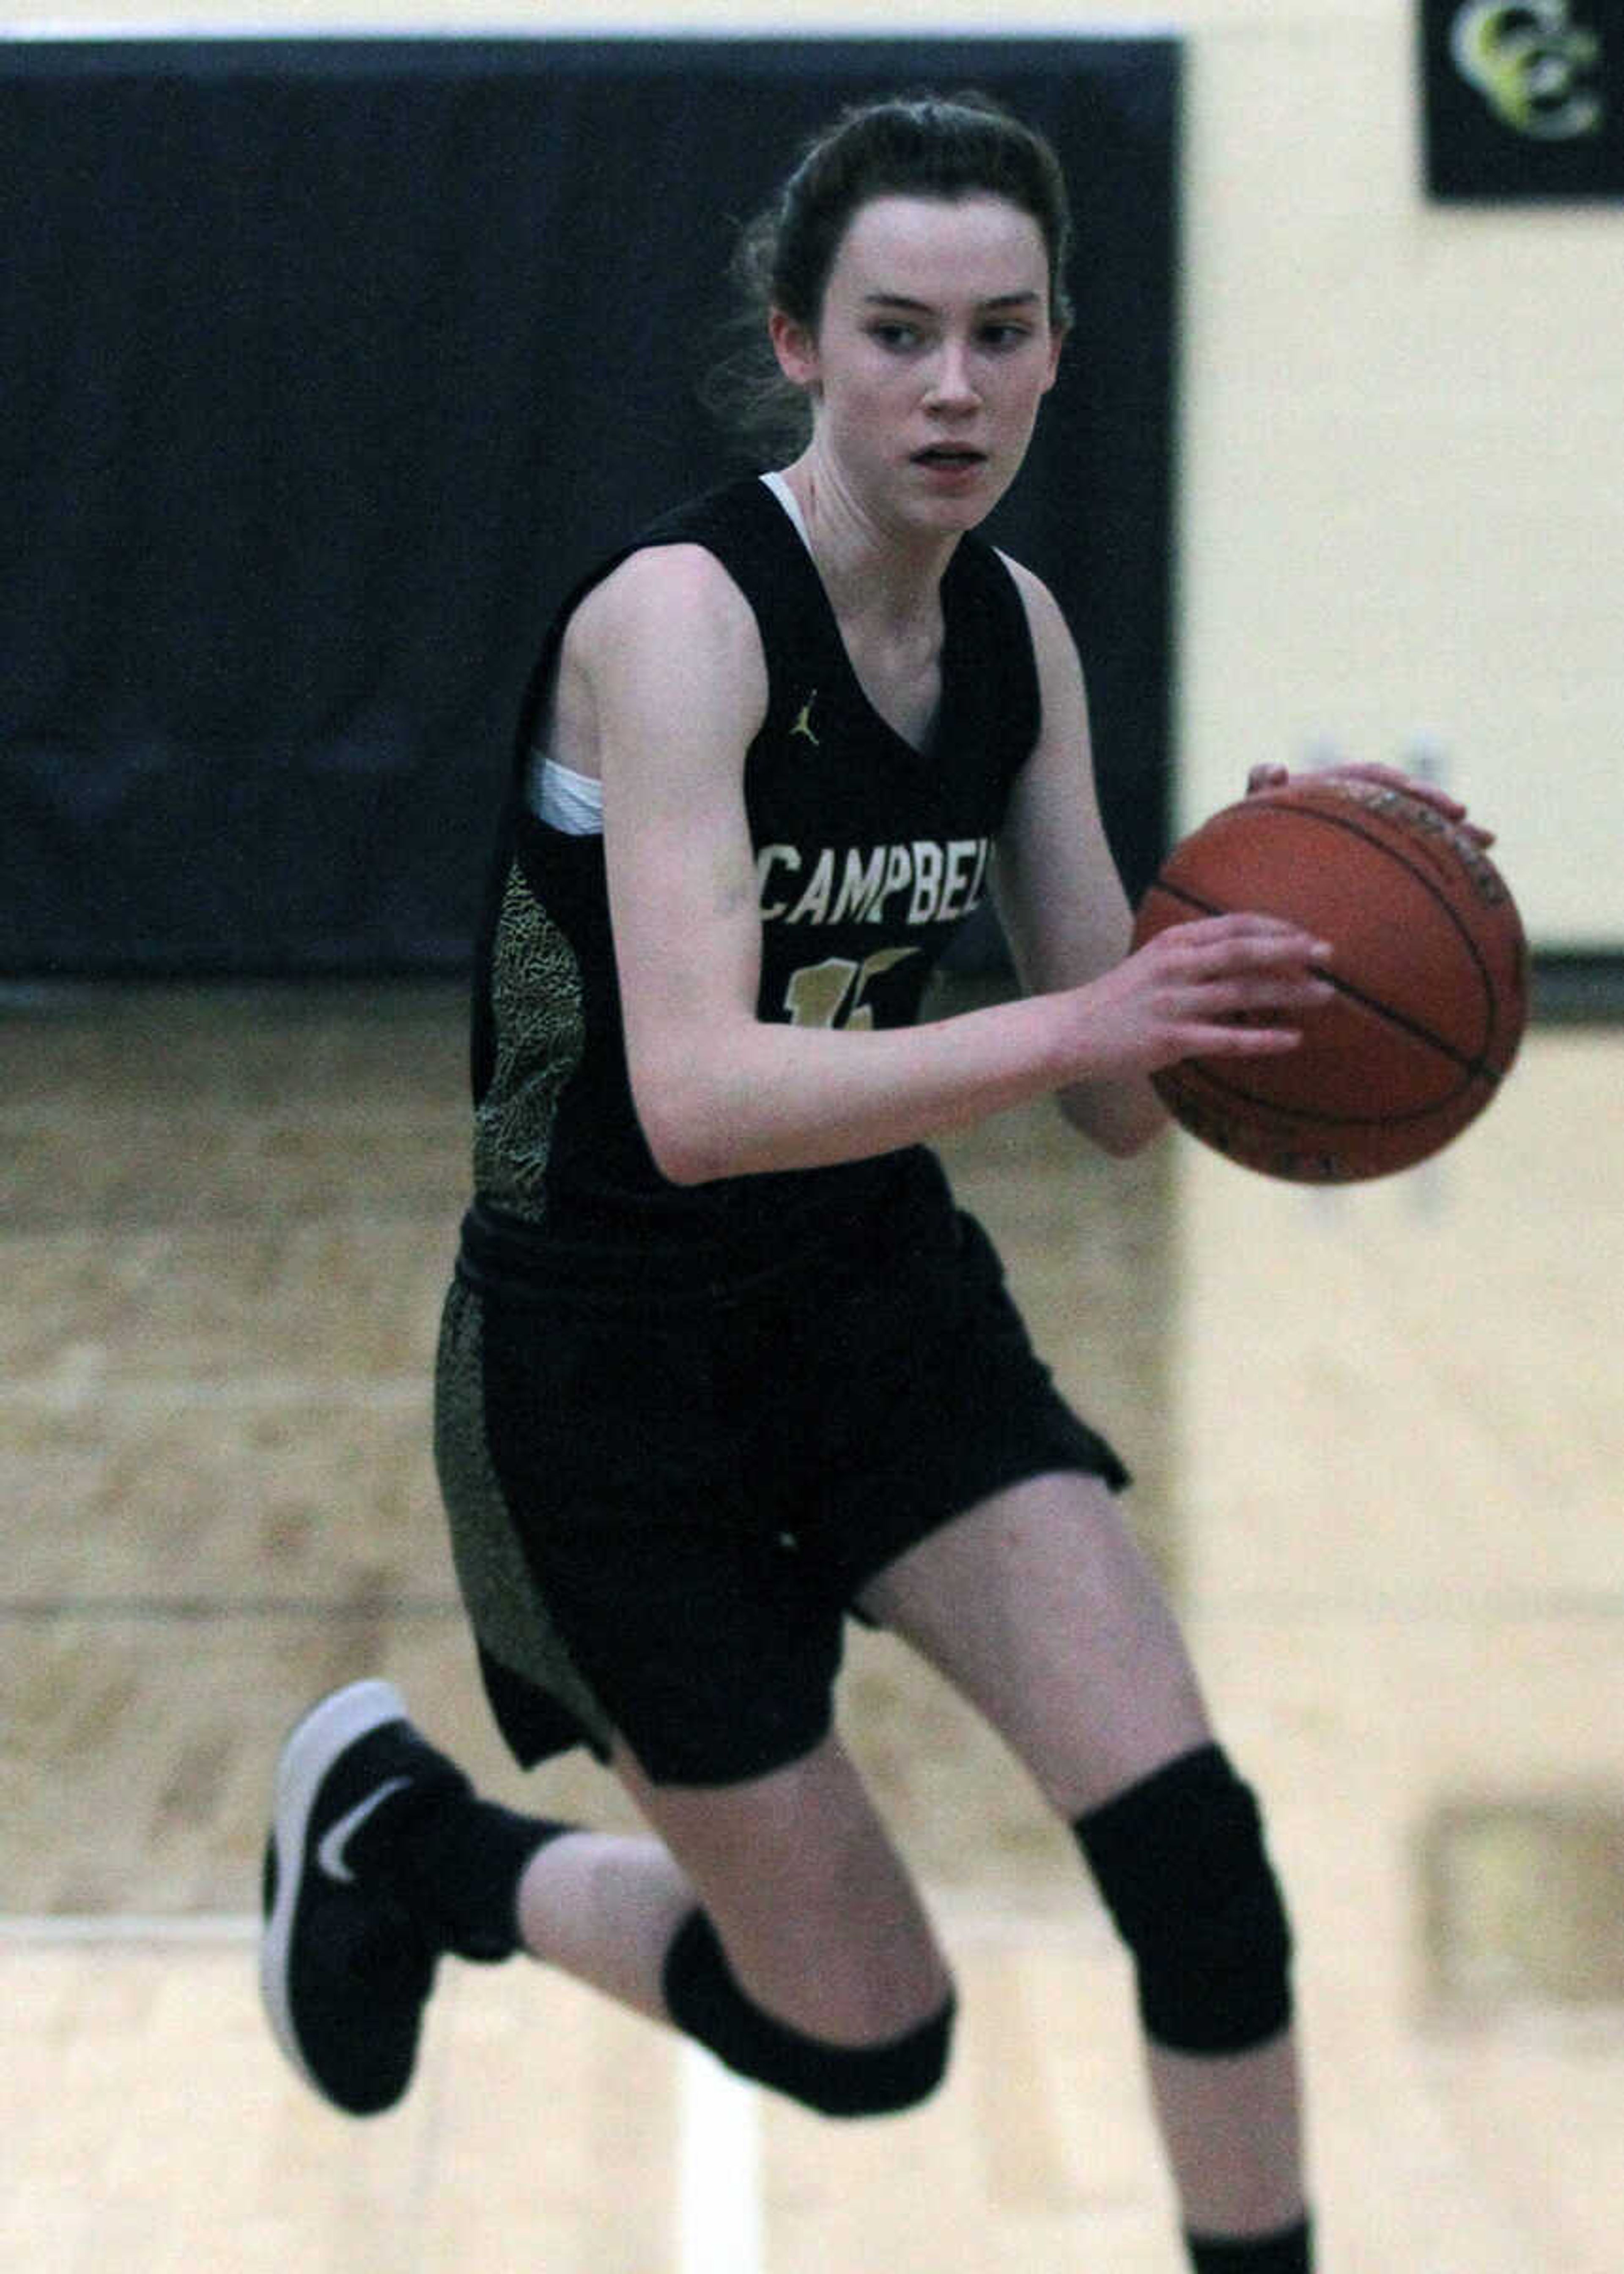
(345, 1969)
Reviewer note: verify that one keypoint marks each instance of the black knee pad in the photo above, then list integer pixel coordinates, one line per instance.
(703, 1998)
(1181, 1864)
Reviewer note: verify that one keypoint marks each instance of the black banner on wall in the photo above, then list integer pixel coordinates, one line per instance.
(329, 367)
(1524, 99)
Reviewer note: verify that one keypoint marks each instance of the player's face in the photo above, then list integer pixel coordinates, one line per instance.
(932, 354)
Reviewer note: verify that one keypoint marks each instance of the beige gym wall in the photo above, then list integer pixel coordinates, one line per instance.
(1403, 486)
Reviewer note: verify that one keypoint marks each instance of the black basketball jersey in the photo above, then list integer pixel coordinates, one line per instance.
(869, 855)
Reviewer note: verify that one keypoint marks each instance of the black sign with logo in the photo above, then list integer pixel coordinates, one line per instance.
(1523, 98)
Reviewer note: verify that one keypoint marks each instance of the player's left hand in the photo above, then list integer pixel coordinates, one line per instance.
(1272, 777)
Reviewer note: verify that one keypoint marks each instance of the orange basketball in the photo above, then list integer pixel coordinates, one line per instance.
(1429, 964)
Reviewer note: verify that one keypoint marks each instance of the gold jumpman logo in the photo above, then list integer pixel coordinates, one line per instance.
(803, 724)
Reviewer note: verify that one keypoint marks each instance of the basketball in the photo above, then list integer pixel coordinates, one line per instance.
(1428, 965)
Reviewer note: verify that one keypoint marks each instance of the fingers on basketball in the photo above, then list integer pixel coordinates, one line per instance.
(1427, 971)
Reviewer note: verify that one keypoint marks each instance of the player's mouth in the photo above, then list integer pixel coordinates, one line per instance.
(950, 470)
(950, 457)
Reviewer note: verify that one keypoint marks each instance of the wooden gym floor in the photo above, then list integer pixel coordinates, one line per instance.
(1380, 1442)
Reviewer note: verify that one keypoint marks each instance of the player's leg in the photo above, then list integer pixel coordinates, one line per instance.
(821, 1924)
(1038, 1607)
(788, 1939)
(611, 1545)
(799, 1955)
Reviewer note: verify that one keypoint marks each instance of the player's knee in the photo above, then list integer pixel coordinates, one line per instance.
(704, 1998)
(1181, 1862)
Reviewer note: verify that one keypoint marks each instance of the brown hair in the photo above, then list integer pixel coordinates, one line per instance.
(923, 146)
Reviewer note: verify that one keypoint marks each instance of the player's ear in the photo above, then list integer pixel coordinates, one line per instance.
(795, 348)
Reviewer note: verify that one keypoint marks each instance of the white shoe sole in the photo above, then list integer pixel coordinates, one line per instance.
(327, 1730)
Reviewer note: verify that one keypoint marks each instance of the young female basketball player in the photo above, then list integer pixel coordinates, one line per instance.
(722, 1365)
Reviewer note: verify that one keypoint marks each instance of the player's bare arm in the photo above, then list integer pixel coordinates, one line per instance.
(1067, 919)
(679, 690)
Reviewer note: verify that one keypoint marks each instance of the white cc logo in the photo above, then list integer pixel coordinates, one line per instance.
(1529, 62)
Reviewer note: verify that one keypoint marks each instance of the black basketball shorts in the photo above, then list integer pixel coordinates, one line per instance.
(664, 1507)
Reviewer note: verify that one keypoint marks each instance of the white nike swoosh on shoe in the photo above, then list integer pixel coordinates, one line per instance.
(330, 1853)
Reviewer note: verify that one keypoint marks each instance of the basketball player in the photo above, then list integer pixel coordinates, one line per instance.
(722, 1365)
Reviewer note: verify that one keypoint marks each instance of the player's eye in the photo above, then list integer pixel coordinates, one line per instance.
(899, 337)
